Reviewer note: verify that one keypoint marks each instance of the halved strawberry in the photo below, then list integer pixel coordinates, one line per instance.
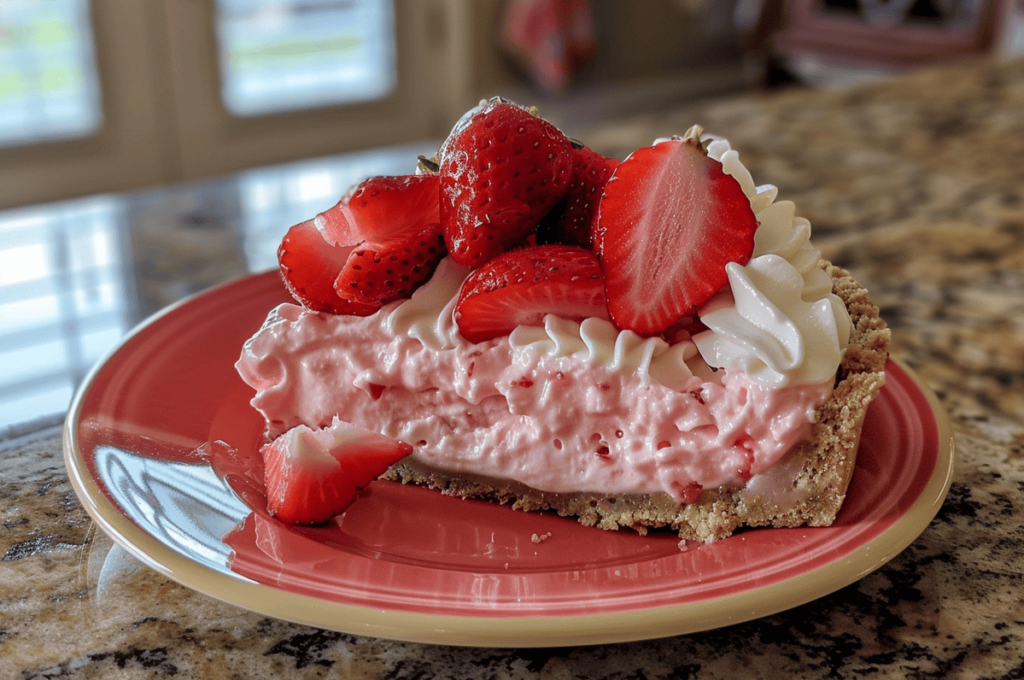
(573, 219)
(377, 274)
(377, 245)
(669, 221)
(309, 265)
(380, 209)
(313, 475)
(501, 171)
(522, 286)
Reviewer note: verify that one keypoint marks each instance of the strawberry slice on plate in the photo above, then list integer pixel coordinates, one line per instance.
(309, 265)
(522, 286)
(669, 221)
(502, 169)
(313, 475)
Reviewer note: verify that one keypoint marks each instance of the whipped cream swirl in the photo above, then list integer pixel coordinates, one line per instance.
(777, 319)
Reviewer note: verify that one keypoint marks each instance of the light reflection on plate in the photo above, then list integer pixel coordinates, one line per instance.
(161, 445)
(183, 505)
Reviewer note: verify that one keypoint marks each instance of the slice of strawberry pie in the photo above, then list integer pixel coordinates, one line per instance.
(646, 343)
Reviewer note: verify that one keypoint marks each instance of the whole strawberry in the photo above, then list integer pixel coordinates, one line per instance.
(501, 170)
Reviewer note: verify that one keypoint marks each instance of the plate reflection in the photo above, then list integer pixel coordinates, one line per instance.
(183, 505)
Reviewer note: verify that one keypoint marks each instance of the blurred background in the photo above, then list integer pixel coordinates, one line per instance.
(109, 95)
(152, 148)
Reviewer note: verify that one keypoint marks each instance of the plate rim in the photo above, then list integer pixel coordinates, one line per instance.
(502, 631)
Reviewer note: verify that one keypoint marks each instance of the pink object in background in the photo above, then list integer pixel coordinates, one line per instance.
(549, 38)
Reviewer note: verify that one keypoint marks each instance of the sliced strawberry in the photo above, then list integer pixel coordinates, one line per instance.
(380, 209)
(377, 245)
(522, 286)
(313, 475)
(501, 171)
(669, 221)
(309, 266)
(377, 274)
(572, 221)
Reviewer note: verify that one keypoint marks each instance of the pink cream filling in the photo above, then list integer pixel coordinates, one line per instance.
(554, 423)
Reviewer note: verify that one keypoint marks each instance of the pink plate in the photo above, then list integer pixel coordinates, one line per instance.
(161, 445)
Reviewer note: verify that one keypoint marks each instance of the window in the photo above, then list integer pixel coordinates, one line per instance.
(71, 283)
(111, 95)
(48, 79)
(62, 301)
(282, 55)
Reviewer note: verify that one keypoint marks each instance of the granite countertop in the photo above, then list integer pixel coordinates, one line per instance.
(917, 186)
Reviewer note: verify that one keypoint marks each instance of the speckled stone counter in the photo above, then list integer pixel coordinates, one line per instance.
(917, 186)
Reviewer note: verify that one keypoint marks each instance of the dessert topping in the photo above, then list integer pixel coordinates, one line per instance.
(522, 286)
(670, 220)
(377, 245)
(381, 209)
(379, 274)
(663, 224)
(501, 171)
(572, 221)
(309, 265)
